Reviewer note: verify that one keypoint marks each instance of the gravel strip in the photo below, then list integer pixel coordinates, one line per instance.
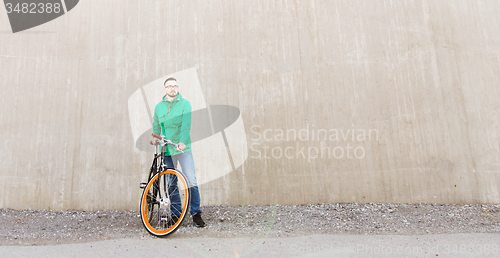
(41, 227)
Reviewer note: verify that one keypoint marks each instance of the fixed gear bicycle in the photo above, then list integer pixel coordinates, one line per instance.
(165, 199)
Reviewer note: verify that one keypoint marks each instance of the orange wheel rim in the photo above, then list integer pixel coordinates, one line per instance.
(144, 204)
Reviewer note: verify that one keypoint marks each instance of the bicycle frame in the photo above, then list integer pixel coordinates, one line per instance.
(158, 156)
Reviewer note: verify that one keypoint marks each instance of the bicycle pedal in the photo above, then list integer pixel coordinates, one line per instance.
(143, 185)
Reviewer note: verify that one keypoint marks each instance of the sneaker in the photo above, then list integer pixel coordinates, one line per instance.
(198, 221)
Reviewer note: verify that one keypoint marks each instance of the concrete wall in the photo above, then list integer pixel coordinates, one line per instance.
(416, 81)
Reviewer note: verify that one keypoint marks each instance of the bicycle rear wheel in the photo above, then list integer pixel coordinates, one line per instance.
(164, 202)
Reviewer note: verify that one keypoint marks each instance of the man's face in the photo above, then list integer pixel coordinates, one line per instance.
(171, 88)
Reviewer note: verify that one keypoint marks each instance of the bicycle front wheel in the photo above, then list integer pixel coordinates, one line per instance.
(164, 202)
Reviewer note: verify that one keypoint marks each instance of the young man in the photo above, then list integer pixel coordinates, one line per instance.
(172, 118)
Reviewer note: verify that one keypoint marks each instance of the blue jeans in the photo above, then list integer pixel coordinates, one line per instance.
(187, 164)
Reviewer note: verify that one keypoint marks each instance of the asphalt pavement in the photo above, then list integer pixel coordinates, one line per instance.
(344, 245)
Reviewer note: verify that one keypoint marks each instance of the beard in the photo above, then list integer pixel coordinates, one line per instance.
(172, 95)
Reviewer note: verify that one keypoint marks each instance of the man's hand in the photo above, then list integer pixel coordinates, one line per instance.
(181, 146)
(154, 141)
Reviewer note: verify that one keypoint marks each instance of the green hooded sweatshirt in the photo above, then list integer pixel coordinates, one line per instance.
(173, 120)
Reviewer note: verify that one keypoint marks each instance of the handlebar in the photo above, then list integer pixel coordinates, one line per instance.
(166, 142)
(157, 136)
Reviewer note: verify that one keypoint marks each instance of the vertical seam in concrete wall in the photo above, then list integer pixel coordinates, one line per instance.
(434, 66)
(298, 35)
(78, 134)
